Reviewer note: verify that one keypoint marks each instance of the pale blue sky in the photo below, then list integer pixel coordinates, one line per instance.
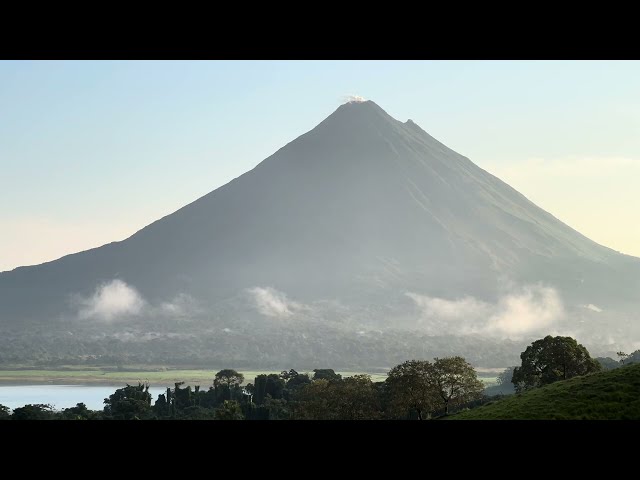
(91, 152)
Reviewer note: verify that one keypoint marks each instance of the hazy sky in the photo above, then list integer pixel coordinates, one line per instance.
(91, 152)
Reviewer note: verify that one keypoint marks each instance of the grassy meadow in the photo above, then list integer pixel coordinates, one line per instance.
(609, 395)
(156, 376)
(167, 377)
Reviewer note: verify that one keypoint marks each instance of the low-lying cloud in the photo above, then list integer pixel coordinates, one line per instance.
(442, 308)
(110, 301)
(182, 305)
(115, 300)
(533, 308)
(527, 310)
(272, 303)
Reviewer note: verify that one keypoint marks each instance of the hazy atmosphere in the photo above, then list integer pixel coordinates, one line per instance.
(338, 240)
(91, 152)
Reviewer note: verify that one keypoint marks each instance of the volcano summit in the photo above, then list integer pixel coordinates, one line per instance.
(359, 243)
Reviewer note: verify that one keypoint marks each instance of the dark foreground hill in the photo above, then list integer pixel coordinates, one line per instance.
(611, 395)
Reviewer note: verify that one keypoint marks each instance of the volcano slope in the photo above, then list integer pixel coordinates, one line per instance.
(361, 242)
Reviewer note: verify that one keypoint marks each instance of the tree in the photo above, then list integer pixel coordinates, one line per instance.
(326, 374)
(634, 357)
(38, 411)
(294, 381)
(456, 381)
(260, 389)
(79, 412)
(313, 401)
(182, 397)
(551, 359)
(230, 410)
(196, 412)
(267, 385)
(4, 413)
(352, 398)
(278, 409)
(623, 356)
(357, 398)
(275, 386)
(385, 400)
(228, 378)
(286, 376)
(162, 407)
(411, 389)
(129, 403)
(209, 399)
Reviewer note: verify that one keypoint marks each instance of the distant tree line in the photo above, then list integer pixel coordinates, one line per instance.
(250, 346)
(415, 389)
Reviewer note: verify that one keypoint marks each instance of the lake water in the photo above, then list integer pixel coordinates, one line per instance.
(66, 396)
(62, 396)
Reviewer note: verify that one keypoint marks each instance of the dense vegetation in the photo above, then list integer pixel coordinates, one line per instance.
(246, 346)
(444, 384)
(556, 375)
(611, 395)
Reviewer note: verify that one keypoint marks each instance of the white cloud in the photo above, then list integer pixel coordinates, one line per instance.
(182, 305)
(116, 300)
(272, 303)
(449, 309)
(529, 309)
(592, 307)
(110, 301)
(534, 308)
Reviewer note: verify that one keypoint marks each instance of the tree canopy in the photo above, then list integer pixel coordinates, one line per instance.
(230, 380)
(38, 411)
(551, 359)
(326, 374)
(4, 413)
(455, 381)
(271, 385)
(228, 377)
(132, 402)
(230, 410)
(411, 387)
(351, 398)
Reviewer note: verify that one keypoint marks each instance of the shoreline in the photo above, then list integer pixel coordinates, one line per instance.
(166, 378)
(14, 382)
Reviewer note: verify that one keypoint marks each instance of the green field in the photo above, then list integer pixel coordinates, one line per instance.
(157, 377)
(611, 395)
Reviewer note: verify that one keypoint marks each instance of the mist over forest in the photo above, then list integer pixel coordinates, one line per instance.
(359, 244)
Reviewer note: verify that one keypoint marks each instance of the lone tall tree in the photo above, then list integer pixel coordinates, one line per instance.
(228, 378)
(551, 359)
(455, 381)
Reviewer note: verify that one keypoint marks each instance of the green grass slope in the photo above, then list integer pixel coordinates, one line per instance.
(611, 395)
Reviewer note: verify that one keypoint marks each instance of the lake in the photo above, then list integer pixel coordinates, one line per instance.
(62, 396)
(66, 396)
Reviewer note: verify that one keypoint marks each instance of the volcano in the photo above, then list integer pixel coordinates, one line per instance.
(359, 212)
